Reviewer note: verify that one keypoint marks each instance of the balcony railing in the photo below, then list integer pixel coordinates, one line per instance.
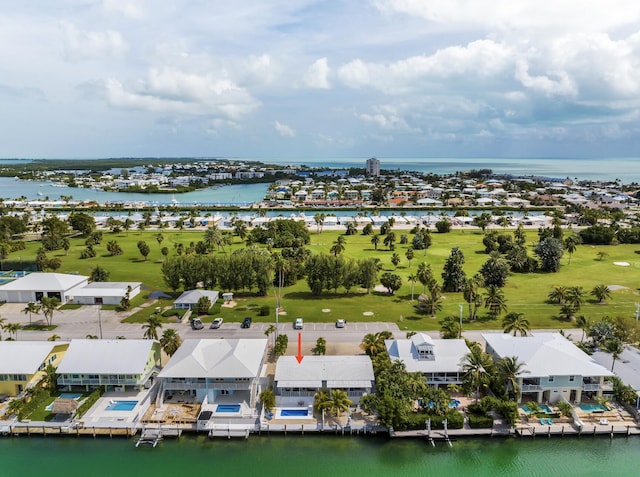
(530, 387)
(181, 386)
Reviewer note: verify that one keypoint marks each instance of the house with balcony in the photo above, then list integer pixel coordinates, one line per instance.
(22, 363)
(119, 365)
(439, 361)
(215, 373)
(296, 384)
(554, 368)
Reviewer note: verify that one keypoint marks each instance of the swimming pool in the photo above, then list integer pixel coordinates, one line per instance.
(592, 408)
(543, 408)
(294, 413)
(228, 408)
(121, 405)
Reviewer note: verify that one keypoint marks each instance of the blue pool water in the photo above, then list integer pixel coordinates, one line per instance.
(294, 413)
(121, 405)
(543, 408)
(228, 408)
(454, 403)
(592, 408)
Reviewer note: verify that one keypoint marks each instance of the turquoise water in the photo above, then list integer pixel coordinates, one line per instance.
(228, 408)
(319, 456)
(121, 406)
(294, 412)
(543, 408)
(592, 408)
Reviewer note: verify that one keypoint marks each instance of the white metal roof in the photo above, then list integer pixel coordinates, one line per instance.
(106, 357)
(340, 371)
(448, 354)
(42, 281)
(546, 354)
(24, 357)
(105, 288)
(216, 358)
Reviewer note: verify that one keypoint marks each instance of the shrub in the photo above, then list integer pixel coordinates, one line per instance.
(265, 310)
(480, 421)
(90, 401)
(417, 420)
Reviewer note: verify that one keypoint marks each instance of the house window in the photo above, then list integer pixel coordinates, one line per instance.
(572, 379)
(551, 379)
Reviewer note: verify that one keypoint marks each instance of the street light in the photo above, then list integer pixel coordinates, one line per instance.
(99, 322)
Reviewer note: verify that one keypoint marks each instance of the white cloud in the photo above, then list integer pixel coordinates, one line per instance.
(91, 45)
(173, 91)
(128, 8)
(317, 75)
(284, 130)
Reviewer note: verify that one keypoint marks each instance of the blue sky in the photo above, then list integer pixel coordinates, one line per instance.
(313, 79)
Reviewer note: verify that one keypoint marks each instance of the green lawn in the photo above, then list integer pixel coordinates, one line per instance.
(524, 293)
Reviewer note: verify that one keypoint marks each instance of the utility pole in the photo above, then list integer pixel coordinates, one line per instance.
(461, 321)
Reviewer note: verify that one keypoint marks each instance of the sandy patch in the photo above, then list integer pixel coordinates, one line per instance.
(282, 312)
(380, 288)
(326, 310)
(368, 313)
(229, 304)
(616, 287)
(621, 264)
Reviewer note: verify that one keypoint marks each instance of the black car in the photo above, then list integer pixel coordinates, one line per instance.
(246, 323)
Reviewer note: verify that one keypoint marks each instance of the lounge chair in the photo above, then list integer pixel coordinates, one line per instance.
(549, 421)
(604, 422)
(543, 421)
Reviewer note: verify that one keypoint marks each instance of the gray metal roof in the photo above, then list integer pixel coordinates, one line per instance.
(339, 370)
(105, 288)
(192, 296)
(106, 357)
(216, 358)
(546, 354)
(448, 354)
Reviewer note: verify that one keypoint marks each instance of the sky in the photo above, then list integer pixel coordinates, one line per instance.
(299, 79)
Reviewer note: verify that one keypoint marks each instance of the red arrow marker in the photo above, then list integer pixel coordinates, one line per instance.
(299, 357)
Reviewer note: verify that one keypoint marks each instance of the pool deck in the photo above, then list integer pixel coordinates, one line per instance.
(99, 413)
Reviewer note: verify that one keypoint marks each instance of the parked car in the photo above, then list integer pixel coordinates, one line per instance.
(298, 324)
(246, 323)
(215, 324)
(341, 323)
(196, 324)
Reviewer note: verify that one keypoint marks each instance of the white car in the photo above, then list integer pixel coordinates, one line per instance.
(341, 323)
(215, 324)
(299, 324)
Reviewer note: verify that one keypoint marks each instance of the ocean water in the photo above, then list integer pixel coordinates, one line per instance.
(312, 456)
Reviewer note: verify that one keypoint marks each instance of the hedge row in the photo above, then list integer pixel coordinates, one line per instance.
(90, 401)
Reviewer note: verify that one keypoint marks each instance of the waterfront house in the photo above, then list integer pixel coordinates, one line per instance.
(214, 371)
(22, 363)
(296, 384)
(439, 361)
(189, 298)
(35, 286)
(119, 365)
(554, 368)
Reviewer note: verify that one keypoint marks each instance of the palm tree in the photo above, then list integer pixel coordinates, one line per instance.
(372, 344)
(476, 366)
(170, 341)
(509, 368)
(614, 346)
(495, 301)
(49, 305)
(413, 279)
(12, 329)
(151, 328)
(450, 329)
(515, 323)
(338, 246)
(575, 297)
(571, 244)
(390, 240)
(472, 296)
(2, 325)
(31, 307)
(601, 293)
(558, 295)
(375, 240)
(339, 402)
(583, 323)
(53, 337)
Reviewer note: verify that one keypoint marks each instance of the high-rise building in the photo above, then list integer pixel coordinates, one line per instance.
(372, 167)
